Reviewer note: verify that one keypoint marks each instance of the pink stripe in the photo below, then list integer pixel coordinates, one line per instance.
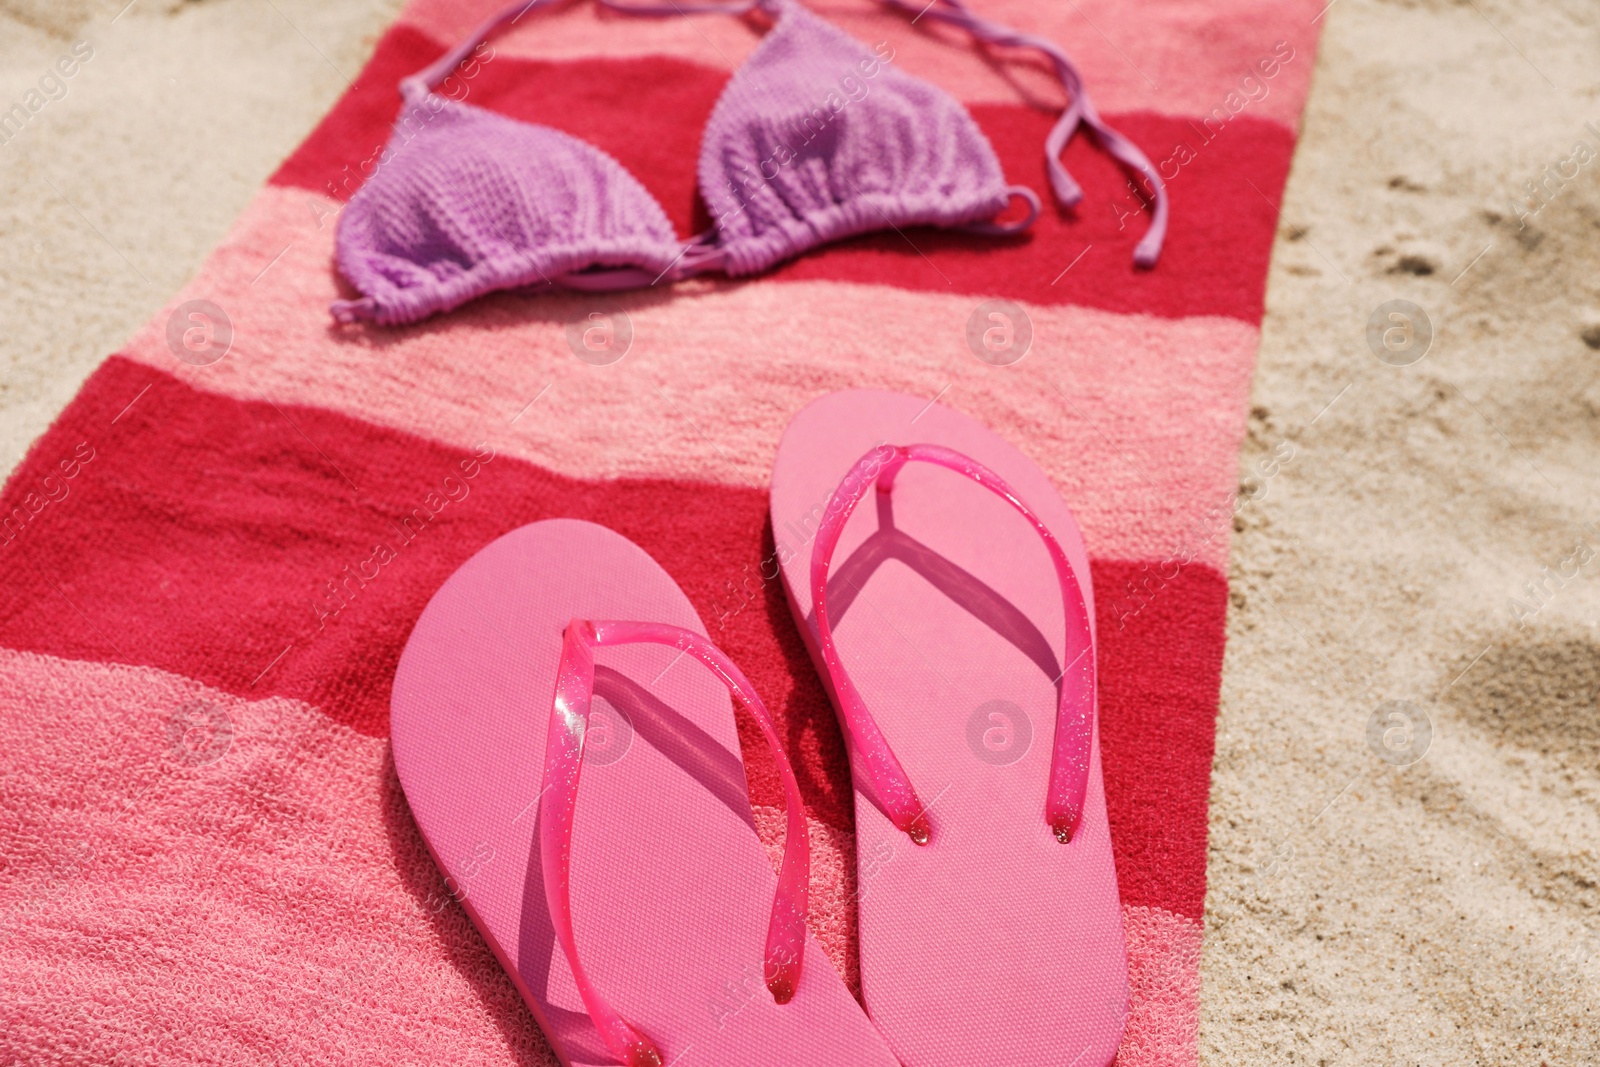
(208, 879)
(1164, 980)
(1174, 59)
(714, 373)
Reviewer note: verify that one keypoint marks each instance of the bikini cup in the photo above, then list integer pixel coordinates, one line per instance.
(815, 138)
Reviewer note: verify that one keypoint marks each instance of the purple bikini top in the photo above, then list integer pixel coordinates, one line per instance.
(465, 202)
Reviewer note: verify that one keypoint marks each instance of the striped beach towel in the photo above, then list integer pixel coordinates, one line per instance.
(214, 556)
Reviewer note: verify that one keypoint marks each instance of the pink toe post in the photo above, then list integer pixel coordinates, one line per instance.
(1069, 765)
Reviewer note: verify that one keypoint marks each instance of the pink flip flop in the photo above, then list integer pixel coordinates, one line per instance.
(995, 934)
(639, 916)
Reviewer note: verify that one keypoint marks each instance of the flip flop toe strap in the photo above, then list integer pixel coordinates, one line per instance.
(1069, 763)
(563, 763)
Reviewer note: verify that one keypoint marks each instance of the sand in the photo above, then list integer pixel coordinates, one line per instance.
(1442, 912)
(1360, 911)
(113, 193)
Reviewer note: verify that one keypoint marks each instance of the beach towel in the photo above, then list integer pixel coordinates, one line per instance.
(214, 556)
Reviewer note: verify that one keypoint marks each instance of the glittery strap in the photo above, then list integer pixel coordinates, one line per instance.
(563, 763)
(1075, 709)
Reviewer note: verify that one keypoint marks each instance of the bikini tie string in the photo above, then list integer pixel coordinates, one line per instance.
(1079, 111)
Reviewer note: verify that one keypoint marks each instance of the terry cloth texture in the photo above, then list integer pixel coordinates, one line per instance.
(212, 560)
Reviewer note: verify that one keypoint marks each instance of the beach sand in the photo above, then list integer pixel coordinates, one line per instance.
(112, 194)
(1444, 911)
(1406, 797)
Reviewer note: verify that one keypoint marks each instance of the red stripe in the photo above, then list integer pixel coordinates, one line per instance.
(649, 113)
(1160, 676)
(203, 530)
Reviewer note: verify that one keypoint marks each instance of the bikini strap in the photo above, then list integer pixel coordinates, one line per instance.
(424, 81)
(1080, 110)
(667, 10)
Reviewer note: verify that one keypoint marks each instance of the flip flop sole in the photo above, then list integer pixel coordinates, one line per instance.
(671, 887)
(994, 944)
